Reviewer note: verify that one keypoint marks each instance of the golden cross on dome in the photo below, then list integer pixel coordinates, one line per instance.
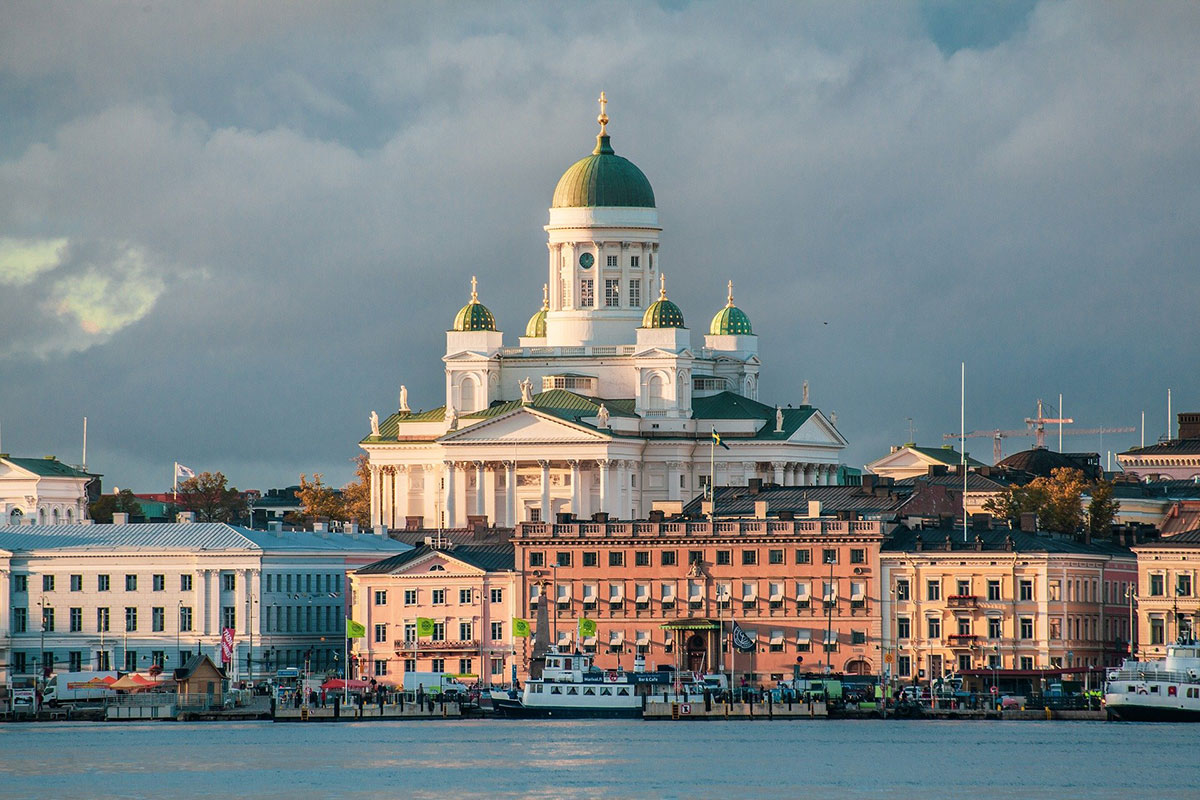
(474, 287)
(662, 286)
(545, 296)
(603, 118)
(731, 293)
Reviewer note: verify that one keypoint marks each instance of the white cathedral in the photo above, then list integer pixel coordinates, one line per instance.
(604, 406)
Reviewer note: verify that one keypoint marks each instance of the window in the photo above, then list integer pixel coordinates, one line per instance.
(858, 637)
(497, 631)
(1157, 630)
(641, 558)
(465, 631)
(380, 667)
(497, 595)
(616, 558)
(20, 620)
(563, 558)
(438, 597)
(963, 588)
(1026, 589)
(76, 620)
(994, 628)
(102, 620)
(47, 583)
(1183, 585)
(159, 583)
(18, 663)
(102, 583)
(20, 583)
(749, 557)
(590, 558)
(229, 617)
(131, 660)
(130, 618)
(668, 558)
(410, 597)
(410, 665)
(185, 618)
(858, 555)
(464, 597)
(75, 661)
(1026, 627)
(158, 619)
(993, 590)
(635, 291)
(131, 583)
(410, 634)
(464, 666)
(537, 558)
(933, 589)
(695, 556)
(185, 583)
(535, 514)
(964, 626)
(903, 628)
(1056, 590)
(829, 556)
(1026, 662)
(439, 632)
(724, 557)
(437, 664)
(381, 597)
(612, 292)
(1055, 628)
(903, 666)
(381, 632)
(635, 262)
(48, 620)
(76, 583)
(935, 628)
(587, 297)
(902, 590)
(611, 261)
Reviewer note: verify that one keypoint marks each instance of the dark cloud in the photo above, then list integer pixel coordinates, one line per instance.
(308, 188)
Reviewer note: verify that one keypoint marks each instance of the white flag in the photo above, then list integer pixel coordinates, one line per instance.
(183, 472)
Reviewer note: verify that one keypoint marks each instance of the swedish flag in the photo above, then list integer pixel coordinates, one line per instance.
(717, 439)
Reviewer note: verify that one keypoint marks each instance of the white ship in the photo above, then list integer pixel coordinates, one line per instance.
(571, 686)
(1161, 691)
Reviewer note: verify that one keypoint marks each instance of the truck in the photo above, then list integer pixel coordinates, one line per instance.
(66, 688)
(434, 684)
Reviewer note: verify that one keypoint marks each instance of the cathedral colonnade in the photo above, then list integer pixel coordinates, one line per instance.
(509, 491)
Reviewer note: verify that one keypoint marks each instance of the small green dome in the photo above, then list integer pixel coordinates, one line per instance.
(662, 313)
(730, 320)
(536, 329)
(474, 316)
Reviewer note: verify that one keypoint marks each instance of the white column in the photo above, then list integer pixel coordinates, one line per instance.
(510, 493)
(374, 496)
(777, 468)
(576, 490)
(214, 605)
(385, 496)
(451, 496)
(673, 492)
(431, 495)
(491, 499)
(5, 604)
(621, 499)
(749, 470)
(403, 493)
(605, 489)
(547, 509)
(480, 492)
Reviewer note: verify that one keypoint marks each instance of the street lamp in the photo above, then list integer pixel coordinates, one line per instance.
(1131, 596)
(830, 559)
(42, 650)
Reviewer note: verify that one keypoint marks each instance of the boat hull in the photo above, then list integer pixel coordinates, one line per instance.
(1131, 712)
(517, 710)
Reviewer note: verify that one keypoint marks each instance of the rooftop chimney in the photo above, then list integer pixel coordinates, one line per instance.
(120, 518)
(1189, 425)
(760, 509)
(814, 508)
(381, 530)
(755, 485)
(319, 527)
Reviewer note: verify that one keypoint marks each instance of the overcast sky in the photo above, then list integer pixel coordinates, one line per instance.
(229, 230)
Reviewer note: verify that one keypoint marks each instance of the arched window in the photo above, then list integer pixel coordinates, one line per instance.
(656, 391)
(54, 517)
(41, 516)
(14, 516)
(70, 516)
(467, 394)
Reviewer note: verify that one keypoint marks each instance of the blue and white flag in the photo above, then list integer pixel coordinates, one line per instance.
(741, 640)
(183, 472)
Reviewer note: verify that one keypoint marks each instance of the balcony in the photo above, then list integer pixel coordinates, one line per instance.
(465, 645)
(963, 639)
(963, 601)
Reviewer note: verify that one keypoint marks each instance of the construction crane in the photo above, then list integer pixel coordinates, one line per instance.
(1037, 426)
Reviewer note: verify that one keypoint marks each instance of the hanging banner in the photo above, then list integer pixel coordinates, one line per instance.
(226, 645)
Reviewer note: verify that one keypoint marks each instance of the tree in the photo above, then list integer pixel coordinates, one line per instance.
(356, 495)
(1103, 508)
(208, 497)
(106, 505)
(318, 500)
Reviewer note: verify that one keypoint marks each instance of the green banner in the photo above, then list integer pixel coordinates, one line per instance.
(587, 627)
(355, 630)
(521, 628)
(424, 626)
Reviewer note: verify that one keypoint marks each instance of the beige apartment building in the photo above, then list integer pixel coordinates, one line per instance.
(1167, 602)
(1006, 602)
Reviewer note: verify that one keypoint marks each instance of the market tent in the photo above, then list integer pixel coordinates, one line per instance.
(338, 683)
(132, 683)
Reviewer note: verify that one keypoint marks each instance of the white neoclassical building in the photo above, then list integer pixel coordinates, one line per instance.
(42, 491)
(605, 404)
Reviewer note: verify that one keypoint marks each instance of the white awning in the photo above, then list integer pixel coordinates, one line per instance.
(535, 591)
(616, 636)
(829, 590)
(724, 591)
(668, 591)
(857, 590)
(616, 591)
(830, 636)
(803, 636)
(643, 637)
(695, 590)
(776, 592)
(642, 591)
(749, 590)
(564, 592)
(564, 637)
(590, 590)
(802, 590)
(753, 635)
(589, 640)
(776, 637)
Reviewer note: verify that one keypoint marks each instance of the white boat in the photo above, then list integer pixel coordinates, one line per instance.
(571, 686)
(1162, 691)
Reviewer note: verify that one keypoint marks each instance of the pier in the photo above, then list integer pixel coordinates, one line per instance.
(699, 710)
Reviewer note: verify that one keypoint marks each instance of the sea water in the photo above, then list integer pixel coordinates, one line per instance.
(609, 759)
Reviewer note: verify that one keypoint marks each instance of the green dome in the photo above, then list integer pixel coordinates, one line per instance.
(663, 314)
(474, 316)
(730, 320)
(536, 328)
(603, 179)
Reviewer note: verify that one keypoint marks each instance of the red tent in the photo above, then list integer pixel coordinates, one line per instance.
(339, 684)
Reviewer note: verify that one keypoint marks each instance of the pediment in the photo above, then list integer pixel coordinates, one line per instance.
(818, 430)
(524, 425)
(441, 562)
(904, 458)
(662, 352)
(469, 355)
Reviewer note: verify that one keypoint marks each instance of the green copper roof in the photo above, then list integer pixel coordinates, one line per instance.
(49, 467)
(474, 316)
(730, 321)
(603, 179)
(536, 328)
(662, 313)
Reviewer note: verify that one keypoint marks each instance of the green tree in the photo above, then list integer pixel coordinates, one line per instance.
(1103, 508)
(123, 502)
(210, 499)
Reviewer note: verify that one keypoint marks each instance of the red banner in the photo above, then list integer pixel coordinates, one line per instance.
(226, 645)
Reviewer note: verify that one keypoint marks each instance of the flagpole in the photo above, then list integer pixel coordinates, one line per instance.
(175, 483)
